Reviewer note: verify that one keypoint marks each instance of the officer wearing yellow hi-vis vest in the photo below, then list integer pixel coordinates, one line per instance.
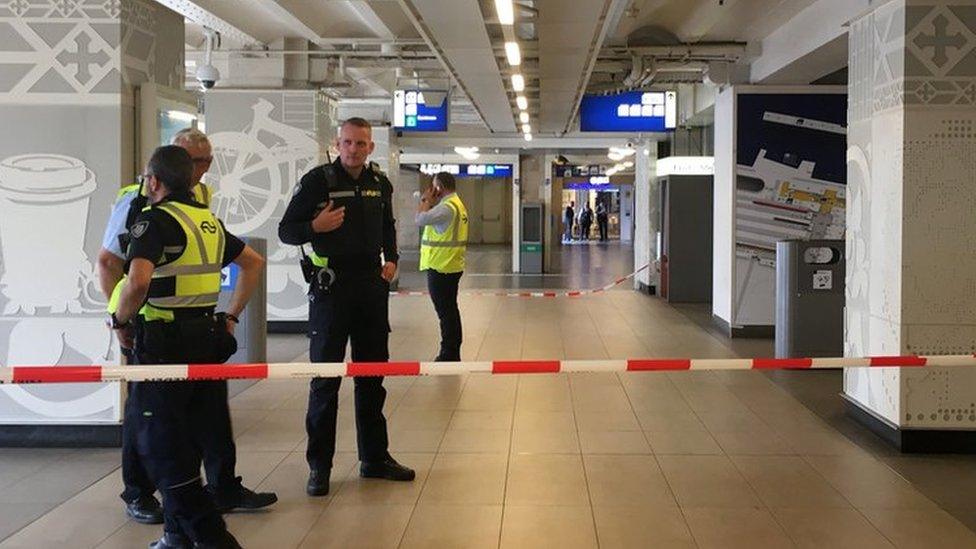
(442, 249)
(166, 315)
(219, 451)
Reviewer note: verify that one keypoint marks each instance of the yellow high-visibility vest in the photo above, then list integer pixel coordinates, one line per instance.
(201, 193)
(444, 251)
(193, 278)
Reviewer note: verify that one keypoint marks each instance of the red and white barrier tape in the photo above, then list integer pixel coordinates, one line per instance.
(307, 370)
(531, 293)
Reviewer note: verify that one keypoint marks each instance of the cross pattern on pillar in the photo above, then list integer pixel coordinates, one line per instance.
(20, 7)
(65, 7)
(83, 58)
(940, 41)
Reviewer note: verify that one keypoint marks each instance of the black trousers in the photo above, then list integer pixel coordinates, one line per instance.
(603, 229)
(161, 416)
(219, 451)
(443, 288)
(356, 311)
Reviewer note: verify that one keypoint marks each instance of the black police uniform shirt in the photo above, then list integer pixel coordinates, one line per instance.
(155, 234)
(368, 227)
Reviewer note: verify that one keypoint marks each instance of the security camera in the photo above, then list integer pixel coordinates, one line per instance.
(208, 75)
(630, 144)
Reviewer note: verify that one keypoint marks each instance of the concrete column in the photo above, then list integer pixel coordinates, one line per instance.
(67, 82)
(911, 259)
(646, 217)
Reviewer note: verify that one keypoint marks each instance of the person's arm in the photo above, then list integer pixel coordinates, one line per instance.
(135, 289)
(439, 216)
(390, 253)
(300, 221)
(109, 271)
(111, 260)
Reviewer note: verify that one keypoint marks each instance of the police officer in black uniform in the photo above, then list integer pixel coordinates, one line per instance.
(345, 210)
(166, 314)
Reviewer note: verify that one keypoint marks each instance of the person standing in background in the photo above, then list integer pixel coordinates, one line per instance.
(602, 220)
(569, 215)
(442, 253)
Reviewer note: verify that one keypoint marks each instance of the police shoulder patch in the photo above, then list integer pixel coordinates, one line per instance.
(139, 229)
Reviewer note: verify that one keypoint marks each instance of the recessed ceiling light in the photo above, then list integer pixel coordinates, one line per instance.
(506, 11)
(524, 117)
(526, 128)
(513, 54)
(528, 137)
(522, 102)
(518, 82)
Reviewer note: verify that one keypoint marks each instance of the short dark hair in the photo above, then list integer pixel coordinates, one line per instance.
(357, 122)
(173, 167)
(446, 180)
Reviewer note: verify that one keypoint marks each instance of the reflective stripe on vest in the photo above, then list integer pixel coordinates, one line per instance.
(196, 272)
(444, 252)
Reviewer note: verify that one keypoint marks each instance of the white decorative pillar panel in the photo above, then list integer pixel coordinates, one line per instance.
(646, 216)
(911, 287)
(67, 69)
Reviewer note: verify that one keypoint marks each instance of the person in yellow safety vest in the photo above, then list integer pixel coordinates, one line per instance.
(219, 452)
(166, 315)
(442, 250)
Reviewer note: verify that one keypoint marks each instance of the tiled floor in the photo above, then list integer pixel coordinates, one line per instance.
(643, 460)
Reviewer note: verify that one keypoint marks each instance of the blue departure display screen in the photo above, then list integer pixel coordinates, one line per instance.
(635, 111)
(421, 110)
(469, 170)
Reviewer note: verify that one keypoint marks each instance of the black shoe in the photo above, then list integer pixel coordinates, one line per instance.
(318, 483)
(227, 542)
(387, 469)
(171, 540)
(145, 510)
(241, 498)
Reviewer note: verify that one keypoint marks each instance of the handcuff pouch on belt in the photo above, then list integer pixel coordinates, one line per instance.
(319, 279)
(199, 340)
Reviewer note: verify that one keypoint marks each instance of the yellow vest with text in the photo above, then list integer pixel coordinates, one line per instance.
(201, 193)
(444, 251)
(192, 280)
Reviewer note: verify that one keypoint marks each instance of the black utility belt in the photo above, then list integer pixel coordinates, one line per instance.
(194, 340)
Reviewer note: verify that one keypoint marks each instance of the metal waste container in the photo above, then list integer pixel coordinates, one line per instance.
(810, 298)
(252, 332)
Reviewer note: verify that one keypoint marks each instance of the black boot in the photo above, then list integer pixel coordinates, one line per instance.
(387, 469)
(318, 483)
(145, 510)
(171, 540)
(239, 497)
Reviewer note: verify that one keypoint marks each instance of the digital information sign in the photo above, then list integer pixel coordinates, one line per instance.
(629, 112)
(469, 170)
(420, 110)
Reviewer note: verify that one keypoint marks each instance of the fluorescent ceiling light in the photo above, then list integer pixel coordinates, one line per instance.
(522, 102)
(506, 12)
(518, 82)
(528, 137)
(470, 153)
(615, 156)
(623, 151)
(526, 128)
(524, 117)
(181, 116)
(513, 54)
(628, 164)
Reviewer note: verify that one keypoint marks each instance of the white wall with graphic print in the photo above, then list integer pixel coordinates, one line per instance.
(67, 69)
(263, 142)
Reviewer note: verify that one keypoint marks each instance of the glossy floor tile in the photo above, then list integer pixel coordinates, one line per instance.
(642, 460)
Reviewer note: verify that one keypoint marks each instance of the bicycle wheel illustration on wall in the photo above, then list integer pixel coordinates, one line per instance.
(253, 173)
